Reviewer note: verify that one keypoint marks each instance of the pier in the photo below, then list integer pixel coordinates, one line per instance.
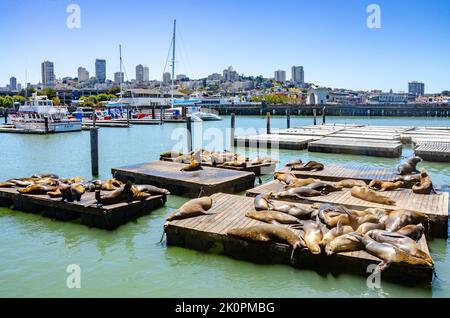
(433, 151)
(168, 175)
(208, 233)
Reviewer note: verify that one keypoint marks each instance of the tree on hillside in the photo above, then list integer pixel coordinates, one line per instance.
(56, 101)
(114, 90)
(20, 99)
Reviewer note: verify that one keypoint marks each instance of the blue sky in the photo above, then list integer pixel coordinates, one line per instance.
(329, 38)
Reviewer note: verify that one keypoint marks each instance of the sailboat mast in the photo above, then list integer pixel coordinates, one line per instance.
(120, 67)
(173, 58)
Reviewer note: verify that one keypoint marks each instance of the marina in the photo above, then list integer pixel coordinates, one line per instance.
(208, 233)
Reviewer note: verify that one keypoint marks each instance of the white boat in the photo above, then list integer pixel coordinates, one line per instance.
(39, 114)
(205, 116)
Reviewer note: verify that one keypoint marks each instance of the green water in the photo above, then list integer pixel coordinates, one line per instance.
(129, 262)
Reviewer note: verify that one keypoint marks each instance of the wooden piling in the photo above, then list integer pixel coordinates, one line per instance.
(128, 115)
(315, 116)
(268, 122)
(323, 115)
(94, 119)
(161, 114)
(6, 116)
(46, 124)
(94, 150)
(233, 126)
(288, 118)
(189, 133)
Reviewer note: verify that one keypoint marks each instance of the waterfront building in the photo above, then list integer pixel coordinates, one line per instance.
(317, 96)
(19, 87)
(230, 74)
(83, 75)
(118, 77)
(48, 74)
(182, 77)
(13, 83)
(416, 88)
(391, 98)
(280, 76)
(140, 73)
(146, 74)
(167, 78)
(297, 74)
(100, 70)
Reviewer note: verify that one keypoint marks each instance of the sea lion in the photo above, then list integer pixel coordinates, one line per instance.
(367, 194)
(408, 180)
(385, 185)
(378, 212)
(403, 242)
(273, 217)
(298, 192)
(309, 166)
(20, 183)
(366, 227)
(397, 219)
(37, 189)
(110, 184)
(294, 210)
(349, 242)
(313, 236)
(350, 183)
(335, 232)
(425, 186)
(183, 158)
(192, 208)
(332, 214)
(72, 192)
(323, 187)
(268, 233)
(151, 189)
(73, 180)
(297, 182)
(262, 201)
(193, 166)
(55, 194)
(123, 194)
(139, 195)
(7, 184)
(294, 163)
(389, 253)
(169, 154)
(414, 231)
(285, 178)
(235, 163)
(45, 175)
(409, 166)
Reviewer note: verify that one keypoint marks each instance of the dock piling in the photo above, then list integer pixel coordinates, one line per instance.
(6, 116)
(94, 150)
(233, 125)
(268, 122)
(46, 124)
(315, 116)
(128, 115)
(189, 133)
(323, 115)
(288, 118)
(94, 119)
(161, 114)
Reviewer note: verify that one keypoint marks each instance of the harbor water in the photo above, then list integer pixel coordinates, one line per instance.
(129, 262)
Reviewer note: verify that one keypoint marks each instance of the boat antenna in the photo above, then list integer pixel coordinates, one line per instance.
(173, 58)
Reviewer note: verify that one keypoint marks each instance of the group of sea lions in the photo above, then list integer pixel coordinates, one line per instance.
(419, 181)
(308, 166)
(194, 159)
(107, 192)
(389, 235)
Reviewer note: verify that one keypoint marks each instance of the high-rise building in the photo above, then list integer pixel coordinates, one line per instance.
(118, 77)
(100, 70)
(140, 73)
(230, 75)
(48, 74)
(146, 74)
(416, 88)
(181, 77)
(166, 78)
(297, 74)
(13, 84)
(19, 87)
(280, 76)
(83, 75)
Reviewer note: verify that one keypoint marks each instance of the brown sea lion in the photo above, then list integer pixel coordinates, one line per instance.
(403, 242)
(73, 180)
(323, 187)
(20, 183)
(193, 166)
(367, 194)
(409, 166)
(192, 208)
(309, 166)
(110, 184)
(139, 195)
(294, 163)
(339, 230)
(184, 158)
(408, 180)
(349, 242)
(7, 184)
(414, 231)
(294, 210)
(37, 189)
(285, 178)
(313, 236)
(425, 186)
(151, 189)
(350, 183)
(235, 163)
(55, 194)
(298, 192)
(366, 227)
(378, 212)
(397, 219)
(45, 175)
(332, 214)
(385, 185)
(123, 194)
(300, 182)
(262, 201)
(273, 217)
(170, 154)
(268, 233)
(389, 253)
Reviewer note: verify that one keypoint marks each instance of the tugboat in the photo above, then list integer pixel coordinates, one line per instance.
(40, 115)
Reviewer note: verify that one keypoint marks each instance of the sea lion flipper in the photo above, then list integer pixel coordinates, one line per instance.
(382, 266)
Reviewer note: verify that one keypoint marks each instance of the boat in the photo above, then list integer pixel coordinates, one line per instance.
(40, 115)
(205, 116)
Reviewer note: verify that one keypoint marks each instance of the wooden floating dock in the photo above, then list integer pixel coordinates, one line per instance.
(293, 142)
(434, 205)
(357, 146)
(336, 172)
(106, 217)
(433, 151)
(190, 183)
(208, 233)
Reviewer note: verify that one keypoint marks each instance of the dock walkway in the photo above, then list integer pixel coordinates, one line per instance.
(433, 151)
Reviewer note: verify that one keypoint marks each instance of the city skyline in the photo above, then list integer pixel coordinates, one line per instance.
(334, 44)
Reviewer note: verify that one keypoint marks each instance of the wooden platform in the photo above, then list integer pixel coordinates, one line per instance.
(208, 233)
(105, 217)
(357, 146)
(336, 172)
(433, 151)
(275, 141)
(435, 205)
(168, 175)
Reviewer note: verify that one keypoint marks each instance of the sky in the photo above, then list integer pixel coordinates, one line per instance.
(329, 38)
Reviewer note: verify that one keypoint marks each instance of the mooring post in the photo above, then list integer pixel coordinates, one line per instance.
(161, 114)
(94, 118)
(323, 115)
(6, 116)
(233, 125)
(288, 118)
(94, 150)
(189, 133)
(268, 122)
(128, 115)
(46, 124)
(153, 112)
(315, 115)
